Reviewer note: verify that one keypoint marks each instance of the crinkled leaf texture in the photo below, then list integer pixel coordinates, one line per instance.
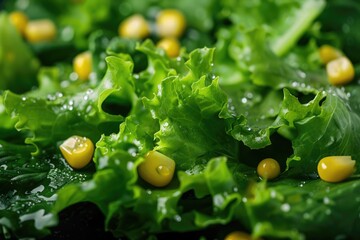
(183, 112)
(57, 116)
(335, 121)
(211, 185)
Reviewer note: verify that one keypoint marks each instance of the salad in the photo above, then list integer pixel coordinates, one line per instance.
(221, 120)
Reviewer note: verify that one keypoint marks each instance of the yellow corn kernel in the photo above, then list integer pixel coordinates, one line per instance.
(77, 151)
(340, 71)
(170, 23)
(19, 20)
(157, 169)
(170, 45)
(268, 168)
(335, 168)
(82, 65)
(43, 30)
(135, 27)
(238, 235)
(328, 53)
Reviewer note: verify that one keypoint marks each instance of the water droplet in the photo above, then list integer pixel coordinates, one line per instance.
(59, 95)
(4, 166)
(102, 65)
(132, 151)
(65, 84)
(38, 189)
(248, 129)
(285, 207)
(302, 74)
(273, 194)
(177, 194)
(177, 218)
(73, 76)
(51, 97)
(326, 200)
(294, 84)
(302, 183)
(163, 170)
(218, 200)
(249, 95)
(258, 139)
(40, 218)
(23, 98)
(88, 109)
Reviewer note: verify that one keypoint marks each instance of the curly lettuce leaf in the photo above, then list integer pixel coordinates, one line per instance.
(308, 100)
(285, 23)
(7, 123)
(216, 199)
(293, 209)
(186, 108)
(252, 113)
(335, 122)
(57, 117)
(173, 121)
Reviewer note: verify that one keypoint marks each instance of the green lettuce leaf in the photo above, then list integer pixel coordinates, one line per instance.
(335, 123)
(18, 65)
(293, 209)
(45, 119)
(285, 23)
(7, 123)
(262, 94)
(173, 121)
(28, 189)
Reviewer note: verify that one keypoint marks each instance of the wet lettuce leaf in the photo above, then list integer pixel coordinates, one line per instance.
(335, 123)
(7, 123)
(277, 96)
(194, 200)
(28, 189)
(181, 114)
(292, 209)
(260, 93)
(57, 116)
